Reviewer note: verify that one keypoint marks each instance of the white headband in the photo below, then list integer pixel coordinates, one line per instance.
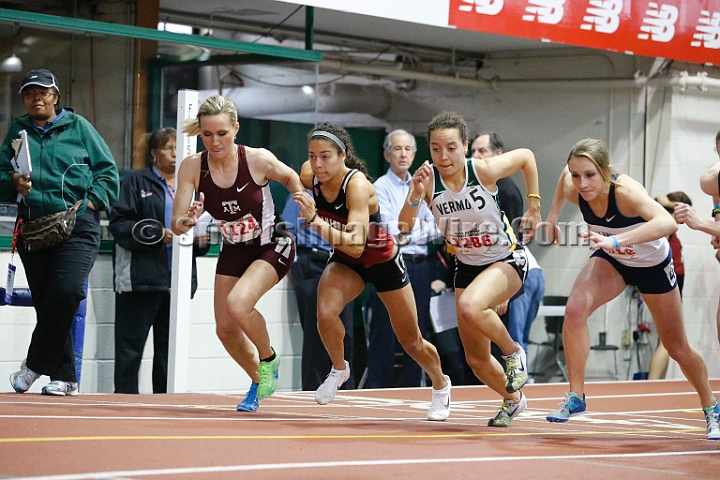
(334, 138)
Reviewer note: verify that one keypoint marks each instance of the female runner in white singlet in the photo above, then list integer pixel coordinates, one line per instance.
(491, 267)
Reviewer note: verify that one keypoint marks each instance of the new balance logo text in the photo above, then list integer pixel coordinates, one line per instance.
(603, 16)
(707, 32)
(659, 23)
(483, 7)
(546, 11)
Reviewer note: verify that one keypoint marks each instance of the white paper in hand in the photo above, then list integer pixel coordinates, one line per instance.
(21, 162)
(442, 311)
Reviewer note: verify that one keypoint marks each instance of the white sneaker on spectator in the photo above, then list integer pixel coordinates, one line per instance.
(60, 388)
(23, 379)
(440, 405)
(327, 391)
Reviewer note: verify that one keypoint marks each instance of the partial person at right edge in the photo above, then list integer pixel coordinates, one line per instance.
(75, 170)
(140, 226)
(685, 213)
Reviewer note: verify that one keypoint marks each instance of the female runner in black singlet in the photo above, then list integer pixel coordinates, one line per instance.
(345, 213)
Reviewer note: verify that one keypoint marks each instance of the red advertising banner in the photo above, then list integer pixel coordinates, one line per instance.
(687, 30)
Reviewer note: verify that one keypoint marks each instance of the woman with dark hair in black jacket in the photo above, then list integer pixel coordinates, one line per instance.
(139, 223)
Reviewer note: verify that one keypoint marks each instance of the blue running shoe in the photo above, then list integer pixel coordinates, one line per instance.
(571, 406)
(713, 422)
(251, 402)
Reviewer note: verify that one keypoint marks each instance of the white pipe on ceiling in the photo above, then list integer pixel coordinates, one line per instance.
(375, 100)
(333, 98)
(684, 80)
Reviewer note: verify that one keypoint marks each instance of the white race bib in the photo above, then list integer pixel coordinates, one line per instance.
(240, 231)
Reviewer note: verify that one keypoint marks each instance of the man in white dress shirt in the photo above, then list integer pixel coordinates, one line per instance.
(392, 189)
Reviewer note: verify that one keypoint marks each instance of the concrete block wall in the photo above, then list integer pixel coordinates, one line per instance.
(210, 367)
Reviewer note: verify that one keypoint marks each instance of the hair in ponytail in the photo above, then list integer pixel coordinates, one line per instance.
(341, 142)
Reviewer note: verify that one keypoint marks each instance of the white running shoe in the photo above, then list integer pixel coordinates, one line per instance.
(713, 422)
(23, 379)
(60, 388)
(327, 391)
(440, 405)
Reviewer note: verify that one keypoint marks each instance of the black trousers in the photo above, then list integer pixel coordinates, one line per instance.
(316, 364)
(56, 277)
(135, 313)
(383, 343)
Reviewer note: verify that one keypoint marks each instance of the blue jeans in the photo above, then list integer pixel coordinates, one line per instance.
(524, 308)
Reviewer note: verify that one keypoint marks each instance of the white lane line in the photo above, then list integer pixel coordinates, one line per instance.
(308, 397)
(600, 418)
(356, 463)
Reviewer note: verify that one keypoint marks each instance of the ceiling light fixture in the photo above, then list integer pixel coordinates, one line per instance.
(12, 64)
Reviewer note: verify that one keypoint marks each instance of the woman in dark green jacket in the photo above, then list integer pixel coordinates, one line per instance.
(72, 166)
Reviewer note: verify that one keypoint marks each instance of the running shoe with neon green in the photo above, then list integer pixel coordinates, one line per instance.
(268, 372)
(508, 411)
(515, 370)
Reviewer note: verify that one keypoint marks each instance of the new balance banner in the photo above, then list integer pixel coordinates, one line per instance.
(686, 30)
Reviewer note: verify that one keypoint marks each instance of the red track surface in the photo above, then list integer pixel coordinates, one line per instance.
(638, 430)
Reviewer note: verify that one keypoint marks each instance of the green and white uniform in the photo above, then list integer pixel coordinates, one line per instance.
(471, 220)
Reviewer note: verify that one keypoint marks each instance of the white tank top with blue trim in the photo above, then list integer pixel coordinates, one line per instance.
(646, 254)
(471, 220)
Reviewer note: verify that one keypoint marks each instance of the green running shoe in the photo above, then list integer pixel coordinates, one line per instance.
(268, 372)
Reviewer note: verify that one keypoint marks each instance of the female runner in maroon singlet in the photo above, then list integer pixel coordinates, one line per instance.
(233, 185)
(363, 251)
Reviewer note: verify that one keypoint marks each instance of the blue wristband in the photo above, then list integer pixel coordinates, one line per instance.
(409, 202)
(614, 239)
